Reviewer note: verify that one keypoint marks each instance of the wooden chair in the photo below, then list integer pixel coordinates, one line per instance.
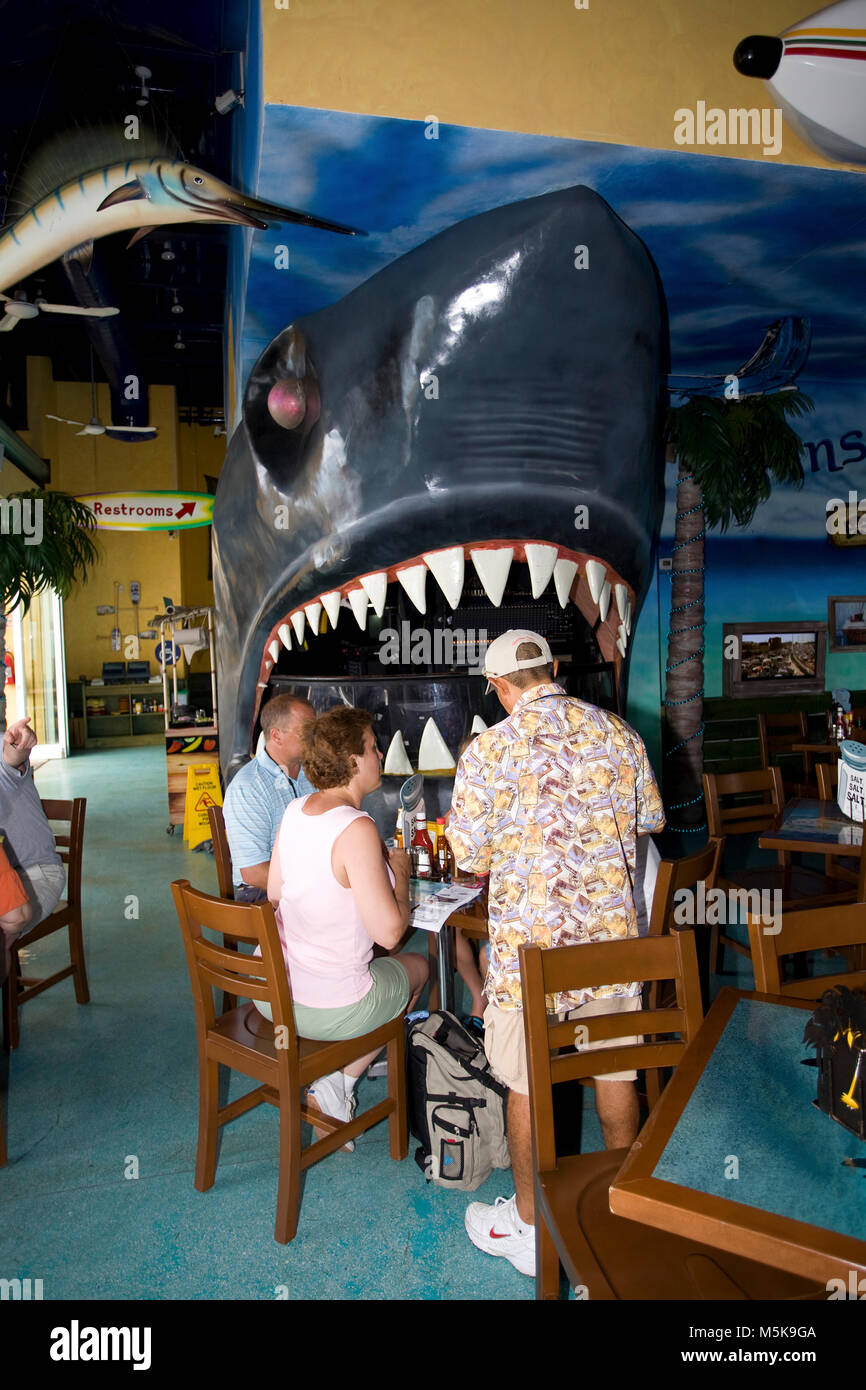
(221, 853)
(841, 927)
(608, 1256)
(729, 815)
(272, 1053)
(67, 914)
(777, 733)
(828, 780)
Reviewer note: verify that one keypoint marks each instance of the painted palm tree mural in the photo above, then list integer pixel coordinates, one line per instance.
(60, 560)
(730, 454)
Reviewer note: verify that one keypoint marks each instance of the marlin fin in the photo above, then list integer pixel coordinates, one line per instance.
(83, 254)
(137, 235)
(126, 193)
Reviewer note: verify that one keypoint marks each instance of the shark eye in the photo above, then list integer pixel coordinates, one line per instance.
(198, 179)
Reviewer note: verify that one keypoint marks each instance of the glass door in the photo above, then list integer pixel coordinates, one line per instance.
(40, 673)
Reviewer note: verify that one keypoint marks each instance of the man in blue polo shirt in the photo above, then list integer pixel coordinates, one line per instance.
(259, 794)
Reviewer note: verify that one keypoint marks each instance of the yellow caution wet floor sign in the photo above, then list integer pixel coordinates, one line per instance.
(202, 791)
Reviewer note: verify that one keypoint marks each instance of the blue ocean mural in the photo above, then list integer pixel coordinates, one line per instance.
(738, 245)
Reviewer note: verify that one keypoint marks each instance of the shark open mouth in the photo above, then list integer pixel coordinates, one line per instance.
(392, 624)
(468, 442)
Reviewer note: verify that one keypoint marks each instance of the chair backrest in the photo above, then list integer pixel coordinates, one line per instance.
(814, 930)
(779, 731)
(828, 779)
(69, 838)
(677, 874)
(545, 972)
(221, 852)
(247, 976)
(766, 800)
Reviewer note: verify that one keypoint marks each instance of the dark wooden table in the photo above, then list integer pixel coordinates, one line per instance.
(814, 827)
(736, 1155)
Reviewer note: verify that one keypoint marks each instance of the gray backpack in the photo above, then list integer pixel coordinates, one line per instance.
(456, 1105)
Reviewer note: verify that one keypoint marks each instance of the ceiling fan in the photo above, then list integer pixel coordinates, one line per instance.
(19, 307)
(94, 424)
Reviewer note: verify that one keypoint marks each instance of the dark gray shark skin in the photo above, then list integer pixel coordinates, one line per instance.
(549, 365)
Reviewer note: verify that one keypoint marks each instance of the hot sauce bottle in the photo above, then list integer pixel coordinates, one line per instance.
(443, 854)
(421, 846)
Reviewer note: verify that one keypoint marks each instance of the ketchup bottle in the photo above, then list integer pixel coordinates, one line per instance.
(423, 850)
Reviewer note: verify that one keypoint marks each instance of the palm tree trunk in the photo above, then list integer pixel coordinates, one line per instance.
(684, 685)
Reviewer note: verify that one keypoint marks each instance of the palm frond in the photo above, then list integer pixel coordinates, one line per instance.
(58, 559)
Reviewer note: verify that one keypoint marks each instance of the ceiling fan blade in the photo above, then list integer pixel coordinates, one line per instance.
(133, 429)
(7, 323)
(63, 420)
(5, 298)
(77, 309)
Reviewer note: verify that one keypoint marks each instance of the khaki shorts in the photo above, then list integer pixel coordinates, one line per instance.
(505, 1041)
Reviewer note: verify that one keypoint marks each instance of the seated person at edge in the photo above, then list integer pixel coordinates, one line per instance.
(336, 894)
(259, 793)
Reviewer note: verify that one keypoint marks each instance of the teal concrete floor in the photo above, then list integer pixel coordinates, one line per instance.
(98, 1092)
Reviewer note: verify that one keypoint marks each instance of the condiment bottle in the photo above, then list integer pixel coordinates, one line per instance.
(423, 850)
(398, 833)
(443, 852)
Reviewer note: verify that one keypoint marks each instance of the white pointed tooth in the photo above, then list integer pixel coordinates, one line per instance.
(314, 613)
(299, 623)
(414, 581)
(622, 638)
(492, 568)
(447, 566)
(478, 725)
(331, 604)
(284, 632)
(274, 649)
(541, 560)
(621, 596)
(563, 578)
(604, 601)
(627, 618)
(397, 762)
(595, 577)
(375, 586)
(433, 755)
(358, 603)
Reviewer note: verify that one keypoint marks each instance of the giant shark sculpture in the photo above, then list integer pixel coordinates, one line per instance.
(488, 409)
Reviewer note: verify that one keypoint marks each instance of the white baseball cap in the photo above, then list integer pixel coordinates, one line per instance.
(500, 658)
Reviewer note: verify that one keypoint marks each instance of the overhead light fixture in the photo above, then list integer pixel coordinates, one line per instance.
(228, 101)
(179, 344)
(176, 308)
(144, 74)
(167, 254)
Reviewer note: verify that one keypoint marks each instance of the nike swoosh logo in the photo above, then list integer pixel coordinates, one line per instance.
(498, 1235)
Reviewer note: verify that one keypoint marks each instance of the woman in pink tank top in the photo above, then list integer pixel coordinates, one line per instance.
(336, 894)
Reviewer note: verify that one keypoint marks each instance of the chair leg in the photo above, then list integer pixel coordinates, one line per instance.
(398, 1130)
(716, 950)
(547, 1270)
(76, 955)
(289, 1182)
(11, 1031)
(208, 1129)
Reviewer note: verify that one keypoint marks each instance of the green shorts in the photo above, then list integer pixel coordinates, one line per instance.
(386, 999)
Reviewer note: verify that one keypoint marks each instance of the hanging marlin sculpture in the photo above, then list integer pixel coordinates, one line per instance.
(140, 194)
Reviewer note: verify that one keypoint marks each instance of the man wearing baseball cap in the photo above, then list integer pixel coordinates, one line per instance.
(549, 802)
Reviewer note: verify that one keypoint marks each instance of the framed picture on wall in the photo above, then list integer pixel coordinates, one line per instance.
(846, 621)
(773, 658)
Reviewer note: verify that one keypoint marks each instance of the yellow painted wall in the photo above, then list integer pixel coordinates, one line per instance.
(615, 71)
(176, 566)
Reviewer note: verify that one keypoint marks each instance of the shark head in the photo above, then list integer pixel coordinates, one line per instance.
(469, 441)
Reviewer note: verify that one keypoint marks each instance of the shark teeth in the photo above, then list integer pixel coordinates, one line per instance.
(414, 581)
(434, 754)
(298, 623)
(604, 600)
(397, 762)
(563, 578)
(492, 568)
(621, 639)
(358, 602)
(627, 618)
(478, 725)
(621, 595)
(595, 578)
(284, 632)
(274, 649)
(541, 560)
(331, 605)
(314, 613)
(447, 568)
(375, 586)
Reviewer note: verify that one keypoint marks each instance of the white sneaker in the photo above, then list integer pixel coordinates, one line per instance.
(330, 1096)
(498, 1230)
